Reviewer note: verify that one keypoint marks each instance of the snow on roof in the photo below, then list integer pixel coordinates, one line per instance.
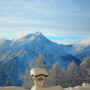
(38, 72)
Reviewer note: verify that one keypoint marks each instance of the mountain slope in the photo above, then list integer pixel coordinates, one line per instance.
(82, 50)
(15, 58)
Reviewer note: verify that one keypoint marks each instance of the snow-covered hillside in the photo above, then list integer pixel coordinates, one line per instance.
(81, 50)
(15, 56)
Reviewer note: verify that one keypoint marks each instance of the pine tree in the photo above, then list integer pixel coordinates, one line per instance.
(85, 67)
(73, 75)
(55, 75)
(38, 62)
(9, 82)
(27, 80)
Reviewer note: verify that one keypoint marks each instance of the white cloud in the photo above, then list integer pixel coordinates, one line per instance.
(62, 18)
(20, 35)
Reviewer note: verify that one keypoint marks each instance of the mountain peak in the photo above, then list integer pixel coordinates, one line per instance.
(38, 33)
(33, 34)
(31, 37)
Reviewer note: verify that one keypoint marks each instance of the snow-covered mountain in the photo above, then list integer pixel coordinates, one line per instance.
(82, 49)
(4, 42)
(15, 56)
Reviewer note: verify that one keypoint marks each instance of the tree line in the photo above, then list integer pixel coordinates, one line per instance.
(72, 76)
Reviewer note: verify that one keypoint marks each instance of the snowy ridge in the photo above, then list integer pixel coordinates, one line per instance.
(81, 50)
(15, 55)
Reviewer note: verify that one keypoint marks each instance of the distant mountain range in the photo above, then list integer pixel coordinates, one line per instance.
(16, 54)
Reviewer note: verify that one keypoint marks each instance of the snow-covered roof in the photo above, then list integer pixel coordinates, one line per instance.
(38, 72)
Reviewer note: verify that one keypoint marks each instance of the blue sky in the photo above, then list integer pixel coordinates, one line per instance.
(64, 21)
